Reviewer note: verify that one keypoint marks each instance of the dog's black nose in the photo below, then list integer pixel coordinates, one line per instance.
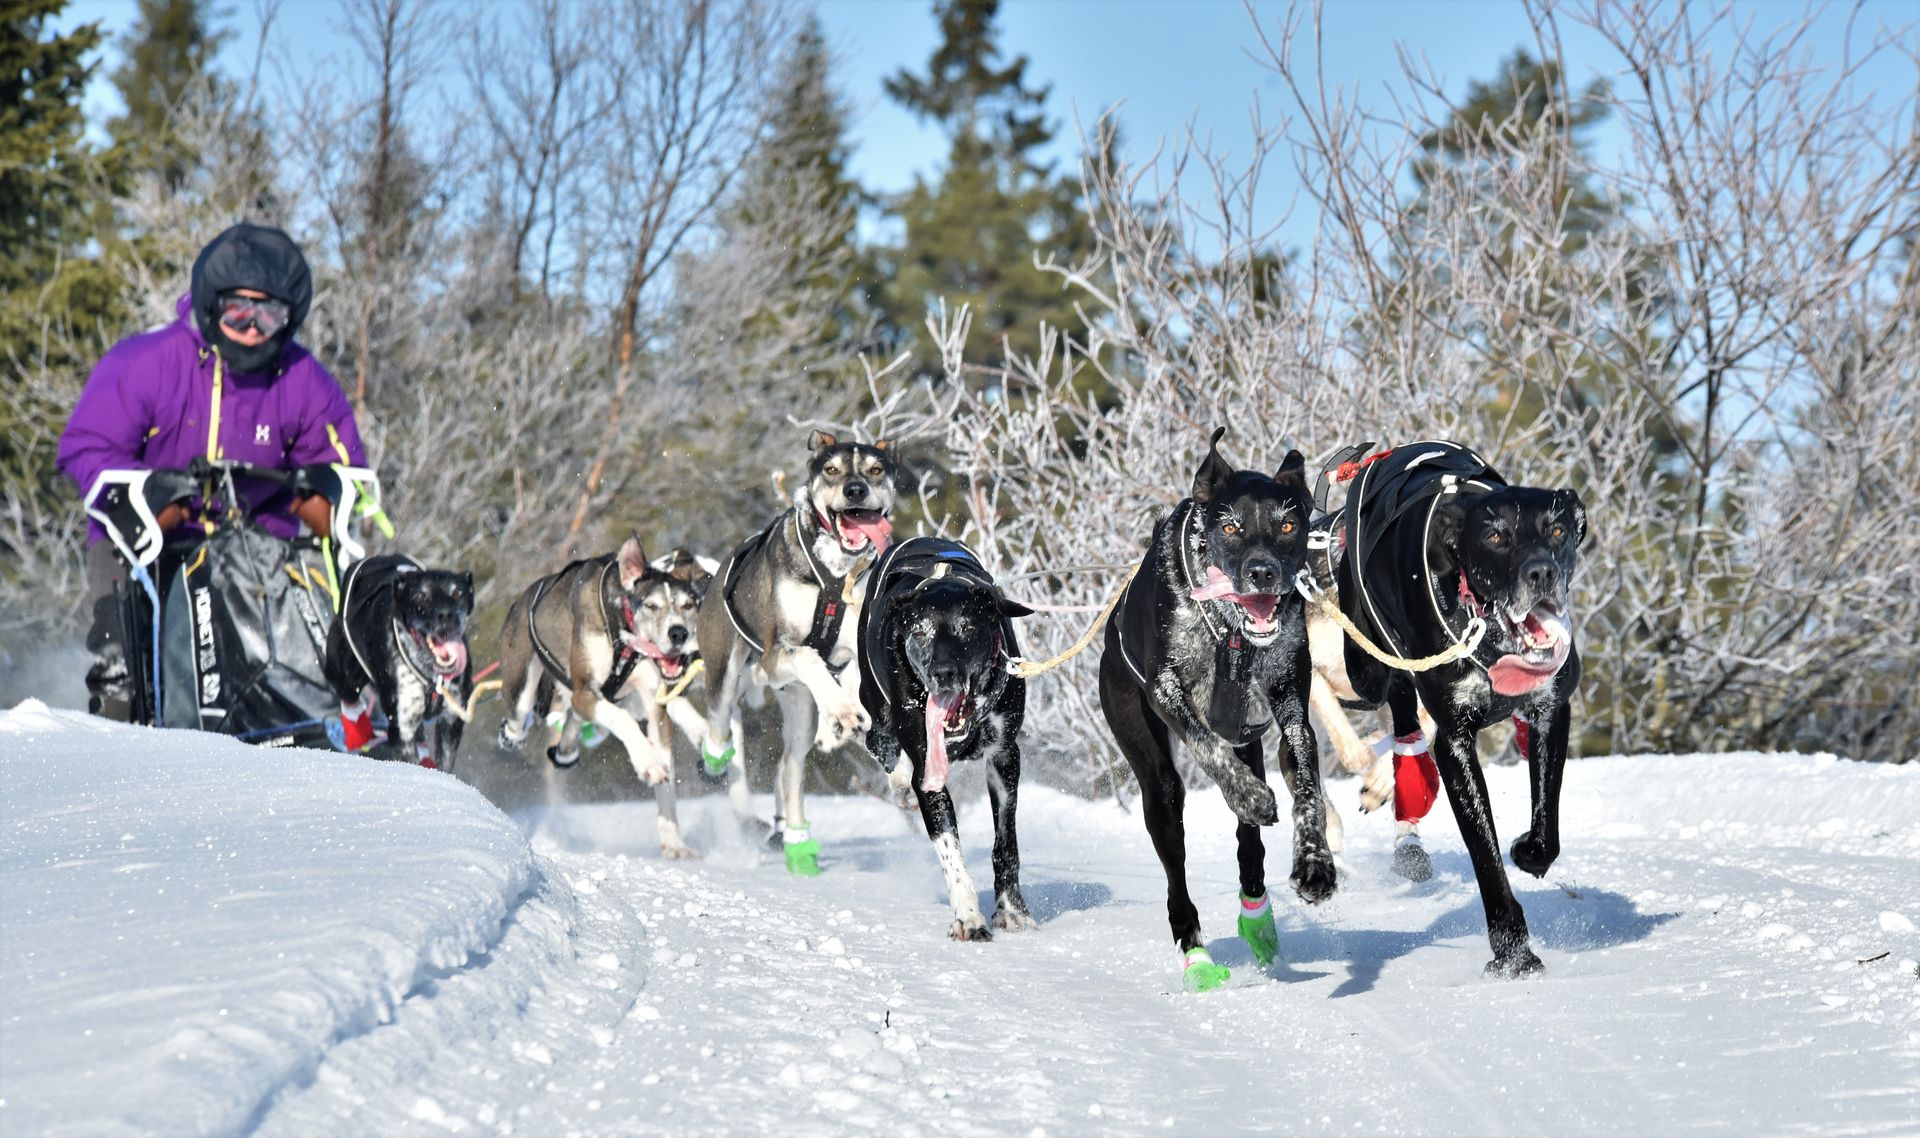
(677, 635)
(855, 491)
(1262, 575)
(1541, 575)
(945, 675)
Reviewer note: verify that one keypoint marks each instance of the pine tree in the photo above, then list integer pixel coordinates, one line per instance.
(46, 168)
(970, 238)
(169, 49)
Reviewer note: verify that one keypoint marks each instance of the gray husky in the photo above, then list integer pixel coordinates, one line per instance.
(780, 614)
(603, 632)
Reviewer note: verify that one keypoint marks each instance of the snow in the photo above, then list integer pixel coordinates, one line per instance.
(198, 937)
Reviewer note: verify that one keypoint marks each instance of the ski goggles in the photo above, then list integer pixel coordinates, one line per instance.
(243, 312)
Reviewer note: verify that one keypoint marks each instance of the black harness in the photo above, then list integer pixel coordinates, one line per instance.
(619, 624)
(1233, 657)
(829, 606)
(1388, 487)
(355, 603)
(910, 566)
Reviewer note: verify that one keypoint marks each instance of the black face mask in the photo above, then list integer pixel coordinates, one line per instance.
(249, 360)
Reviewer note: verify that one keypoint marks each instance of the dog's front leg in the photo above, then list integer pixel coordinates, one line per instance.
(936, 809)
(1314, 877)
(1535, 850)
(841, 717)
(1453, 754)
(667, 822)
(1003, 795)
(1247, 794)
(648, 761)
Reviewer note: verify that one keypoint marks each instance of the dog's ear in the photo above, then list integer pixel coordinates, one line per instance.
(1011, 608)
(818, 439)
(1569, 501)
(882, 444)
(466, 587)
(1213, 472)
(1293, 471)
(633, 562)
(1449, 519)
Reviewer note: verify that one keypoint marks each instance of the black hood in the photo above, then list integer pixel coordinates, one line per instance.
(257, 257)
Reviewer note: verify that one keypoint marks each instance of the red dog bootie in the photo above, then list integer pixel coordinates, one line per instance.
(1523, 738)
(1416, 781)
(356, 725)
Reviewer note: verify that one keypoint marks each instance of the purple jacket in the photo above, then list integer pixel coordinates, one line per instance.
(151, 403)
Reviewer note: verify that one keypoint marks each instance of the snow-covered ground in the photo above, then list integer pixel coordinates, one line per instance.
(198, 937)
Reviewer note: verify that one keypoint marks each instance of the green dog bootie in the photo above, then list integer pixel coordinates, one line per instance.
(1257, 928)
(803, 853)
(1202, 974)
(714, 765)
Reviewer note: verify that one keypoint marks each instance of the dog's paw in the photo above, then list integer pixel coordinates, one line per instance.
(1253, 804)
(1533, 855)
(840, 725)
(1515, 964)
(1377, 790)
(965, 928)
(1010, 915)
(679, 851)
(654, 773)
(1314, 877)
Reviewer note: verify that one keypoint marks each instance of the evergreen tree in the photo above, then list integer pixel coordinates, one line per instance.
(970, 238)
(47, 171)
(169, 48)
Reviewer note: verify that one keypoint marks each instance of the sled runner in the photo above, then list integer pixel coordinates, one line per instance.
(227, 632)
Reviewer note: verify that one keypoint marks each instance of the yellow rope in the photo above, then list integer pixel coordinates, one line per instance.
(473, 698)
(1027, 669)
(668, 695)
(1475, 629)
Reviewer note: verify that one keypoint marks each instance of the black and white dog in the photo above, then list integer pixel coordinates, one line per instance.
(400, 639)
(936, 637)
(1209, 645)
(1440, 550)
(574, 641)
(780, 614)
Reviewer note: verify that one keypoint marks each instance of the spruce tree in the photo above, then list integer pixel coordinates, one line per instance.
(169, 49)
(971, 236)
(46, 167)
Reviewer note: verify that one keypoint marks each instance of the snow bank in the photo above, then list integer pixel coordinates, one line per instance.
(189, 923)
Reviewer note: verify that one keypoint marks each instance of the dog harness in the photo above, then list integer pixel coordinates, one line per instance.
(355, 601)
(1232, 655)
(829, 607)
(625, 655)
(1392, 484)
(921, 561)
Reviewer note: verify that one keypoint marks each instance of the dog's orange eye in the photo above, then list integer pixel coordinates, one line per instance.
(1559, 532)
(1286, 527)
(1495, 538)
(1229, 528)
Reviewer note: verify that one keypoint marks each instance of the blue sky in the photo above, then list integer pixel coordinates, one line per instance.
(1174, 64)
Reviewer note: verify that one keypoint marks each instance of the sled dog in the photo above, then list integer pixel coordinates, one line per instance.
(779, 614)
(602, 632)
(1208, 645)
(936, 637)
(399, 644)
(1440, 549)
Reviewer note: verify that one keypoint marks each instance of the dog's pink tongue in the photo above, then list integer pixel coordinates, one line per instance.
(939, 709)
(1515, 675)
(873, 524)
(449, 656)
(1218, 587)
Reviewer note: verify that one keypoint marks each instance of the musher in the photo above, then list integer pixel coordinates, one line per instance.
(224, 381)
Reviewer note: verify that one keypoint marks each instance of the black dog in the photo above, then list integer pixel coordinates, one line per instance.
(402, 631)
(1434, 541)
(935, 639)
(1209, 643)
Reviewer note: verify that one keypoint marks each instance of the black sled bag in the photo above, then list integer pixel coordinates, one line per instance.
(244, 633)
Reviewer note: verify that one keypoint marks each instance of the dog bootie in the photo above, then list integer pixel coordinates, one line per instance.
(1258, 930)
(1523, 738)
(356, 727)
(1202, 974)
(803, 853)
(1409, 856)
(1416, 781)
(714, 767)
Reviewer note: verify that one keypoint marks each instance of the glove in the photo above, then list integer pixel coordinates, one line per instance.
(158, 490)
(319, 478)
